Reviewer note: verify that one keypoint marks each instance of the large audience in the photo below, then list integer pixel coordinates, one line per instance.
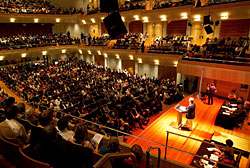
(224, 49)
(31, 41)
(131, 41)
(169, 3)
(112, 98)
(30, 7)
(95, 41)
(132, 5)
(72, 87)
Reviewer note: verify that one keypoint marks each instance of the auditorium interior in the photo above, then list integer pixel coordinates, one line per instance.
(124, 83)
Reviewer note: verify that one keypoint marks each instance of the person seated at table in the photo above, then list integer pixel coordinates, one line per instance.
(240, 100)
(232, 95)
(241, 114)
(226, 154)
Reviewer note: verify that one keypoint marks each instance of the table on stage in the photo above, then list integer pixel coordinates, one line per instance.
(181, 110)
(225, 117)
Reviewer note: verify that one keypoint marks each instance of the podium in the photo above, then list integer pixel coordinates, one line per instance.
(181, 110)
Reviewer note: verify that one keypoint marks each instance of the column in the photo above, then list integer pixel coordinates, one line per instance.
(164, 28)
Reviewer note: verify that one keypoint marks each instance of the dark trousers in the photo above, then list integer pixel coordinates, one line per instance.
(210, 99)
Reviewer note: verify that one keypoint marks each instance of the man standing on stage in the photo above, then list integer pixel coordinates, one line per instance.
(211, 90)
(190, 110)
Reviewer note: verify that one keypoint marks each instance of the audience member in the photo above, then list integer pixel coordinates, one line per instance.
(81, 135)
(232, 95)
(138, 152)
(62, 125)
(12, 130)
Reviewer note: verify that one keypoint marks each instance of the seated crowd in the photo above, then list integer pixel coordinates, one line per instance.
(169, 3)
(30, 41)
(169, 44)
(95, 41)
(112, 98)
(75, 88)
(53, 142)
(224, 49)
(131, 5)
(130, 41)
(30, 7)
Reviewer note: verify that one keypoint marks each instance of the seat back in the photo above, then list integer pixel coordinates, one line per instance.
(31, 163)
(10, 151)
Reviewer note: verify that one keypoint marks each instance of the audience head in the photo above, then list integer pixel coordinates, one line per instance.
(191, 100)
(63, 123)
(247, 104)
(45, 118)
(114, 144)
(81, 133)
(137, 150)
(229, 143)
(49, 135)
(10, 102)
(21, 107)
(12, 113)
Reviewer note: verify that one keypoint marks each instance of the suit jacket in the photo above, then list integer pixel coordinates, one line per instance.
(190, 111)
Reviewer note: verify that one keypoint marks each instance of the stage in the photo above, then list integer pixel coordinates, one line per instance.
(203, 128)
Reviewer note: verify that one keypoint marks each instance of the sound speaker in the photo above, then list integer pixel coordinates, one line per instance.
(115, 25)
(207, 20)
(208, 29)
(109, 5)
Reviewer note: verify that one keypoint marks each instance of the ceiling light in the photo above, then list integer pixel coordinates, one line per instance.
(123, 18)
(99, 52)
(89, 52)
(84, 21)
(224, 16)
(184, 16)
(92, 20)
(136, 17)
(80, 51)
(44, 52)
(1, 58)
(58, 20)
(105, 55)
(145, 19)
(36, 20)
(131, 57)
(157, 62)
(63, 51)
(163, 18)
(23, 55)
(175, 63)
(139, 60)
(197, 18)
(12, 20)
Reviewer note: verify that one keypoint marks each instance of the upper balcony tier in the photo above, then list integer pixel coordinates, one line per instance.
(236, 10)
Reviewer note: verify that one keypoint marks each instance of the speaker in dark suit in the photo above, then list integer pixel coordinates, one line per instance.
(115, 25)
(109, 5)
(208, 29)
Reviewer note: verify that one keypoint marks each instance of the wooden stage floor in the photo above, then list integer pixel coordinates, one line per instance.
(156, 130)
(203, 128)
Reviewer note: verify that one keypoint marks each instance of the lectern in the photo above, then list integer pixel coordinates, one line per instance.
(181, 110)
